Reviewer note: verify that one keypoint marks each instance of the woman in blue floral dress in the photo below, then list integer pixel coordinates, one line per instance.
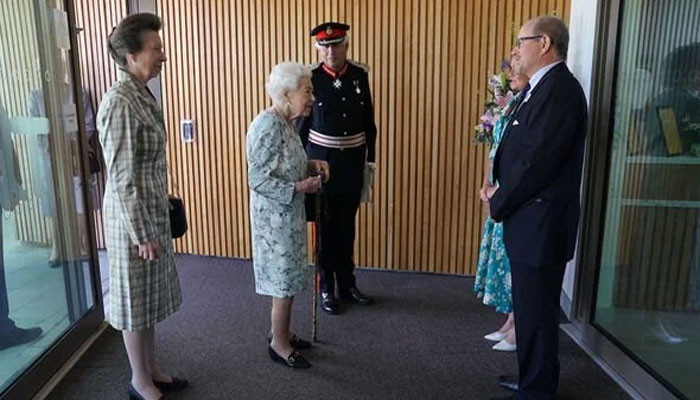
(493, 281)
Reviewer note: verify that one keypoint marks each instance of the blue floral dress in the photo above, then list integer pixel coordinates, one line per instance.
(493, 282)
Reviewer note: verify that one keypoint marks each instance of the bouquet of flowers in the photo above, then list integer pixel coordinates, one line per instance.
(498, 98)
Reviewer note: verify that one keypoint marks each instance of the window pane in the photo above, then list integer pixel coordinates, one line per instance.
(649, 284)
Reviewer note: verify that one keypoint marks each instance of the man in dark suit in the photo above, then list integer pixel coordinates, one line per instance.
(341, 131)
(538, 170)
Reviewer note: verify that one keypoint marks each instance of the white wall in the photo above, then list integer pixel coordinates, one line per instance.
(582, 27)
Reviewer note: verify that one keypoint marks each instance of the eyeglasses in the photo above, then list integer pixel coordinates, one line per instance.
(519, 41)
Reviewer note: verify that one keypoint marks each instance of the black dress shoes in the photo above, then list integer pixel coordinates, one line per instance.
(508, 382)
(329, 304)
(174, 386)
(296, 342)
(354, 295)
(135, 395)
(14, 336)
(295, 360)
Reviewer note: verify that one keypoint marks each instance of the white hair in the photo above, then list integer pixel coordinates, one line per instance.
(346, 39)
(285, 77)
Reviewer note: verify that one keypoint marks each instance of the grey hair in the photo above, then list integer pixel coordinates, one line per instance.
(285, 77)
(556, 29)
(127, 37)
(346, 39)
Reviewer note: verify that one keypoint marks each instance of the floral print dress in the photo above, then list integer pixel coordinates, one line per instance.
(276, 160)
(493, 281)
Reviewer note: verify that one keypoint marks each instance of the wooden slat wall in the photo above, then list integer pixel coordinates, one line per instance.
(98, 71)
(429, 60)
(19, 67)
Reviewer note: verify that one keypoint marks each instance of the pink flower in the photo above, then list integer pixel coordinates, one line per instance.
(488, 118)
(501, 101)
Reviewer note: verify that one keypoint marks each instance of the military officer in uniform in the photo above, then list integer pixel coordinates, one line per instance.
(340, 130)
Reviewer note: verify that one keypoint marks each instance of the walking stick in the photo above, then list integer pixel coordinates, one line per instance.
(317, 260)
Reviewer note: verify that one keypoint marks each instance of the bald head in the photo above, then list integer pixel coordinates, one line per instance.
(556, 29)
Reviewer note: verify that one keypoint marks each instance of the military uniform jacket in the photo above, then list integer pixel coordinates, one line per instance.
(342, 108)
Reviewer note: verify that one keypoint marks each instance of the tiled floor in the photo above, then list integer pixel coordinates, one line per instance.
(37, 297)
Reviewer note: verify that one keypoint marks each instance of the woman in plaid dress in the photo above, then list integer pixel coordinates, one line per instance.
(143, 284)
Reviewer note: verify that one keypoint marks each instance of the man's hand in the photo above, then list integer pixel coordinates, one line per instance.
(490, 191)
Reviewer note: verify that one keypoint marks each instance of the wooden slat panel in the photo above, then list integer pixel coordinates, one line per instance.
(428, 80)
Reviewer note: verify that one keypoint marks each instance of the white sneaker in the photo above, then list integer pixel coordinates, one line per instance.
(503, 345)
(496, 336)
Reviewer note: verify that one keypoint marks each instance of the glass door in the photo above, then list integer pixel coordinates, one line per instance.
(648, 289)
(48, 277)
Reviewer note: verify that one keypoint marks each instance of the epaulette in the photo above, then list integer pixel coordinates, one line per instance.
(365, 67)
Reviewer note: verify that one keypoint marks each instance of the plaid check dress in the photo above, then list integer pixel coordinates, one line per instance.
(132, 132)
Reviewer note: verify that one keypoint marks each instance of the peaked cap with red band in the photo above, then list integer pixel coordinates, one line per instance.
(330, 33)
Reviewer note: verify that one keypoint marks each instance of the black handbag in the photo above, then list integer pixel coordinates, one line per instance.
(178, 217)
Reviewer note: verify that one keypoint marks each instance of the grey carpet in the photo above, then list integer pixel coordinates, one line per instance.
(422, 340)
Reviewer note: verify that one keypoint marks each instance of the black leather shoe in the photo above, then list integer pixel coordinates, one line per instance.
(511, 397)
(295, 341)
(16, 336)
(295, 360)
(174, 386)
(509, 382)
(134, 395)
(329, 304)
(354, 295)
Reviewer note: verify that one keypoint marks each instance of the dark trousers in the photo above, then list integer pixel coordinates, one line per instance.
(338, 241)
(5, 322)
(536, 294)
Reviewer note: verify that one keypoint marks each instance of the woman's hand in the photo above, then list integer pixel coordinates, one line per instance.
(484, 198)
(149, 250)
(308, 185)
(485, 193)
(320, 167)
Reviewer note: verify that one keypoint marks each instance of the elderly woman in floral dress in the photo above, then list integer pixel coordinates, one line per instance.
(279, 175)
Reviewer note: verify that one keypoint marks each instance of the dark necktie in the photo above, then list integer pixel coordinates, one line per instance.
(521, 99)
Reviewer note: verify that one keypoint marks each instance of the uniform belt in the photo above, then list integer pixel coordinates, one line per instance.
(337, 142)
